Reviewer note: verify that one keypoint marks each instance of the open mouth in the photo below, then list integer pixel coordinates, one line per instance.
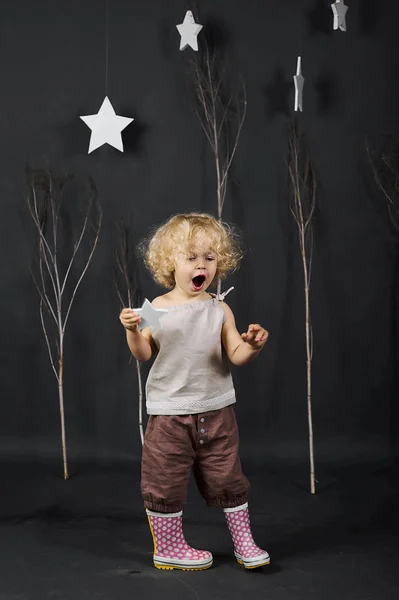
(198, 282)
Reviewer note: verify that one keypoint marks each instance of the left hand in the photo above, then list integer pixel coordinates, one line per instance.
(256, 336)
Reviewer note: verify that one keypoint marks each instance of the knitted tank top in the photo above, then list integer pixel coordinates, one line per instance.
(190, 373)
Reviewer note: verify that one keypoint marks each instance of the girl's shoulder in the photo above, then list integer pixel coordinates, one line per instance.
(228, 313)
(161, 301)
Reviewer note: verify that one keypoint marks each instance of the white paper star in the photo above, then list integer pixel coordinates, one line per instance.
(150, 316)
(189, 30)
(299, 83)
(106, 127)
(339, 9)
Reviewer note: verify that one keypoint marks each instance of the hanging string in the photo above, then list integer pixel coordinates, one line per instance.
(300, 49)
(106, 44)
(299, 55)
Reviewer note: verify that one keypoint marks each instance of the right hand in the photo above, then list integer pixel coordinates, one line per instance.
(130, 319)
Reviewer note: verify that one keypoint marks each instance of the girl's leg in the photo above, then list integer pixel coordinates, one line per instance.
(167, 460)
(222, 483)
(166, 463)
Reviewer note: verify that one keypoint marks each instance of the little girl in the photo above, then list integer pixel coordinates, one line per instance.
(190, 392)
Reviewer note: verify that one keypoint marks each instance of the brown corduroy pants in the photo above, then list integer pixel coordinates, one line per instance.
(205, 442)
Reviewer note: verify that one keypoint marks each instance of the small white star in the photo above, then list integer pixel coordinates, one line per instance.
(106, 127)
(299, 83)
(189, 30)
(150, 316)
(339, 9)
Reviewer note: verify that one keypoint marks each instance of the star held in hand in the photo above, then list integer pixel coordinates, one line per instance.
(189, 31)
(339, 9)
(150, 316)
(106, 127)
(299, 83)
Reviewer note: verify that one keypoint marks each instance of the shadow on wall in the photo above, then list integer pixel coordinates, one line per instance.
(279, 94)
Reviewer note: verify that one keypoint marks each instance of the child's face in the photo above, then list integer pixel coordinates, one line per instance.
(196, 269)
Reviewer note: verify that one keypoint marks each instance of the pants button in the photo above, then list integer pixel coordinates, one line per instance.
(202, 430)
(201, 441)
(202, 420)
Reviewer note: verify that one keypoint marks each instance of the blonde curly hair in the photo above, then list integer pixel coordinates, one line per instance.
(177, 236)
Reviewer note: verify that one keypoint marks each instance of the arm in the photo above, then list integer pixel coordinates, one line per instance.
(241, 349)
(141, 344)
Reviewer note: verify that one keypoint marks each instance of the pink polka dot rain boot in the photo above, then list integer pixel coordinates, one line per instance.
(246, 551)
(171, 550)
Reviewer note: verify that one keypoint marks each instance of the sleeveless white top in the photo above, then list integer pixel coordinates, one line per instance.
(190, 374)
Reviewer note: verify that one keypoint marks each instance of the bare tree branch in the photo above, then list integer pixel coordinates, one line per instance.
(302, 207)
(94, 244)
(384, 162)
(128, 290)
(47, 341)
(44, 203)
(221, 112)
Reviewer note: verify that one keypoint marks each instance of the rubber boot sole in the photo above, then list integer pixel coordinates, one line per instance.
(249, 565)
(170, 566)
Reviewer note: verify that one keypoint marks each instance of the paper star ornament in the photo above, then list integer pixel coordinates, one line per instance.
(189, 30)
(339, 9)
(299, 83)
(106, 127)
(150, 316)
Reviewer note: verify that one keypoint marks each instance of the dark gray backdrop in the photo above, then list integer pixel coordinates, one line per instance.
(53, 70)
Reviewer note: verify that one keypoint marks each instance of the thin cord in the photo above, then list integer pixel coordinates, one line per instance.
(106, 44)
(300, 49)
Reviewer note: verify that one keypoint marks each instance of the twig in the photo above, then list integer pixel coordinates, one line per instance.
(385, 167)
(42, 186)
(221, 120)
(302, 207)
(127, 289)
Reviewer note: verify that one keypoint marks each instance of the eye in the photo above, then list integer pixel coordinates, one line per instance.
(210, 258)
(191, 258)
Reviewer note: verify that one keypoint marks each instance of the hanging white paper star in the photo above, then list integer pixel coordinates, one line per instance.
(299, 83)
(189, 30)
(150, 316)
(339, 9)
(106, 127)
